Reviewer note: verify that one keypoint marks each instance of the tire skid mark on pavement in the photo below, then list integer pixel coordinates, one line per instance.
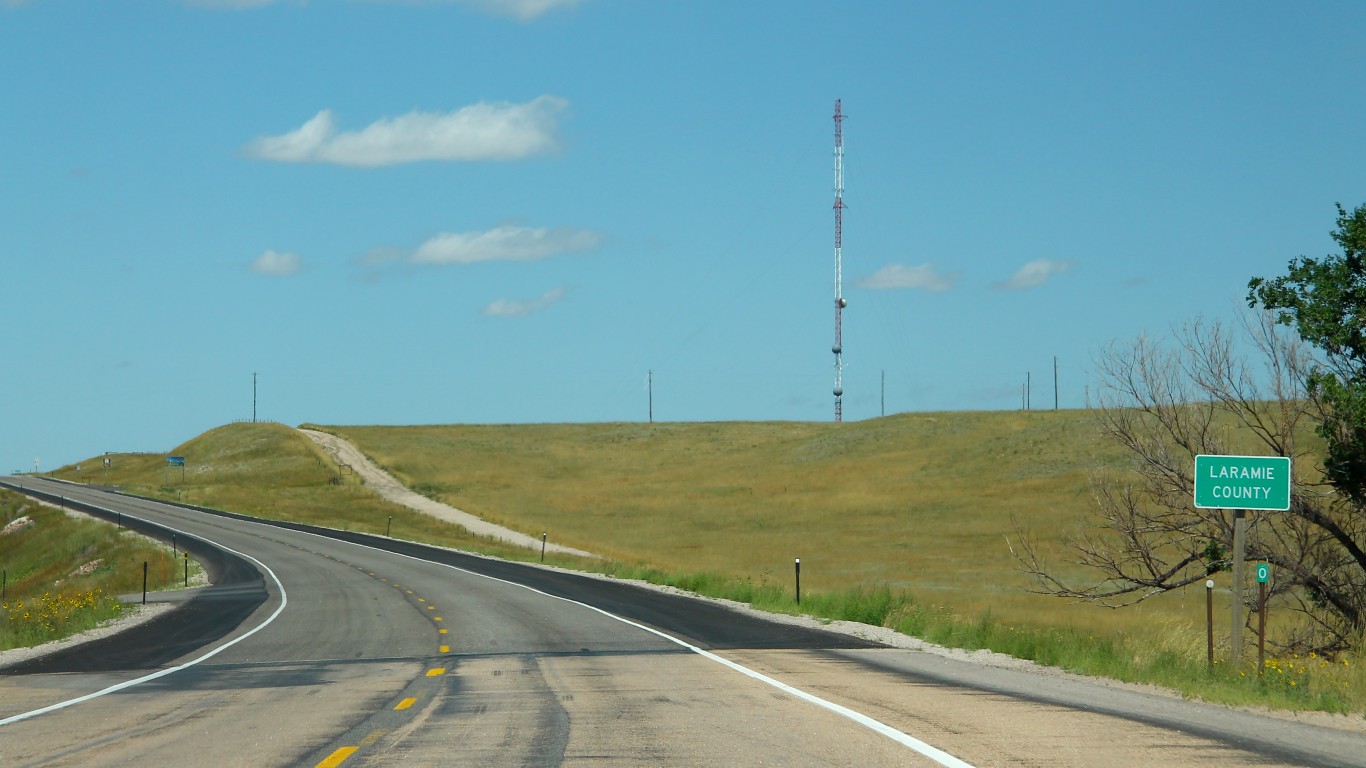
(411, 700)
(927, 750)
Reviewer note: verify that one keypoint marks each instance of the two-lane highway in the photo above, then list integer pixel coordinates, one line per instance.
(348, 654)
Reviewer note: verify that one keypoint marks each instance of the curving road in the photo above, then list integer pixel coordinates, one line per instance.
(316, 650)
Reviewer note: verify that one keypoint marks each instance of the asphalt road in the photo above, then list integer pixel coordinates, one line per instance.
(340, 649)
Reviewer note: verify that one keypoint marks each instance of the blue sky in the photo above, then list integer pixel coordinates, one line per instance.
(494, 211)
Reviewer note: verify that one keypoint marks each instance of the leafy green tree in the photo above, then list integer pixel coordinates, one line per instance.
(1324, 300)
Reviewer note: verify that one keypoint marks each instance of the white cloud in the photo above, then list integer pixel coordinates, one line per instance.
(901, 276)
(276, 264)
(1034, 273)
(505, 243)
(483, 131)
(510, 308)
(232, 4)
(525, 10)
(522, 10)
(382, 254)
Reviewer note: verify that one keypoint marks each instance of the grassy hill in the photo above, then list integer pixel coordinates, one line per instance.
(904, 520)
(922, 502)
(272, 471)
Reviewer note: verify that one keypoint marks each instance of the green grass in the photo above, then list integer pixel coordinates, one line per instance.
(919, 502)
(63, 573)
(271, 471)
(901, 522)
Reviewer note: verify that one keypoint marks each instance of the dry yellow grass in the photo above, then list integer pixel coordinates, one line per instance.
(922, 502)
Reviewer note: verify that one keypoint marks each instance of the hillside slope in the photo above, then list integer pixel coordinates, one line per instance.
(923, 502)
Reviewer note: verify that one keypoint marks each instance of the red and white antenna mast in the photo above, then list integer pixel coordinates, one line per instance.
(840, 303)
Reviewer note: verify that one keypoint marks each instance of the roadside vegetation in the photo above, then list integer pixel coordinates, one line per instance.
(63, 572)
(905, 522)
(1290, 383)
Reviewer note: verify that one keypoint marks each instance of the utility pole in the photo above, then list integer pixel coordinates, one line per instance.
(1055, 382)
(253, 398)
(884, 391)
(651, 387)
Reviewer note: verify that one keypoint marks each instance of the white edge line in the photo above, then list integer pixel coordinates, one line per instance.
(905, 739)
(877, 726)
(284, 601)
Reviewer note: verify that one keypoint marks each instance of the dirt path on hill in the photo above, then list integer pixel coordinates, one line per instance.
(389, 488)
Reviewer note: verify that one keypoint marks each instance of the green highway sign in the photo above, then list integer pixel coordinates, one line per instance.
(1242, 482)
(1263, 573)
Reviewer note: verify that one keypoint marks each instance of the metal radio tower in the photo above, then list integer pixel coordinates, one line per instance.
(840, 303)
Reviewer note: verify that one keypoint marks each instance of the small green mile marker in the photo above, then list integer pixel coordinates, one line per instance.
(1242, 482)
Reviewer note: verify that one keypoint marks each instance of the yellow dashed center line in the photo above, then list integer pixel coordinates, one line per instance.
(405, 704)
(337, 758)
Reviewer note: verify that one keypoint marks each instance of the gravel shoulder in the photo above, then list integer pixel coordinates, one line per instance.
(388, 487)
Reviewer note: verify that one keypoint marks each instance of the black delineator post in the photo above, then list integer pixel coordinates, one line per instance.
(388, 525)
(543, 538)
(144, 582)
(797, 566)
(187, 569)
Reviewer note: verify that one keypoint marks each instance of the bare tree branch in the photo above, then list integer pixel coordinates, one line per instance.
(1165, 405)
